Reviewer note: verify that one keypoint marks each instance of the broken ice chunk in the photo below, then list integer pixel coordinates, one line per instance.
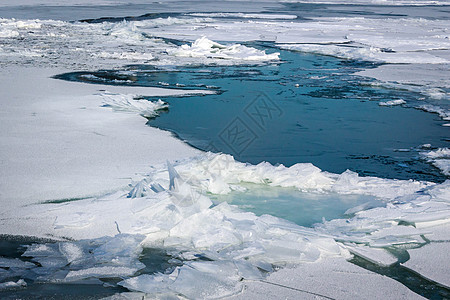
(378, 256)
(100, 272)
(215, 279)
(12, 284)
(15, 263)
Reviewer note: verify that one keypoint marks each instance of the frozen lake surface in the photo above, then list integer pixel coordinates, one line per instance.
(331, 121)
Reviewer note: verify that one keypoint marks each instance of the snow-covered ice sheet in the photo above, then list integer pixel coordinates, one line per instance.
(343, 281)
(58, 141)
(430, 261)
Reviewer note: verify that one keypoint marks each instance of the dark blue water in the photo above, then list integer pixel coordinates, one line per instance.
(306, 108)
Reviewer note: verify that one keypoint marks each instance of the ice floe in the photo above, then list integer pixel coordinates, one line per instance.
(203, 47)
(392, 102)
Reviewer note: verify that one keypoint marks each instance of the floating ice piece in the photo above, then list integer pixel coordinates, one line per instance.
(11, 284)
(392, 102)
(100, 272)
(204, 47)
(127, 103)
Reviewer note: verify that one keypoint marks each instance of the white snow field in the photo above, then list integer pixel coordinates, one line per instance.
(79, 165)
(59, 142)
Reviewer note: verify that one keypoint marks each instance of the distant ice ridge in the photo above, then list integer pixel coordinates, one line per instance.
(129, 103)
(203, 47)
(217, 244)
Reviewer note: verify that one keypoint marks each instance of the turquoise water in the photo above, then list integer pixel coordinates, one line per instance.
(302, 208)
(306, 108)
